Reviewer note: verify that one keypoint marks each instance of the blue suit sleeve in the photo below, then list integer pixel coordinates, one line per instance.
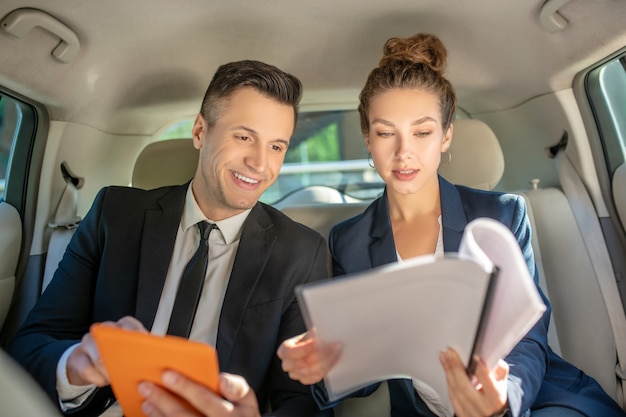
(528, 360)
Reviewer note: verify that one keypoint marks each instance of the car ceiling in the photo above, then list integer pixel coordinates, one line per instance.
(144, 63)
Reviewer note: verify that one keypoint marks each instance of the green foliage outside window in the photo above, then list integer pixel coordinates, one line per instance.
(320, 147)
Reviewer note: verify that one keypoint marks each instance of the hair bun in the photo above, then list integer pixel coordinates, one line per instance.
(422, 48)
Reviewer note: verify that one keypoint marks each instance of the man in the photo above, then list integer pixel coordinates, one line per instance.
(125, 262)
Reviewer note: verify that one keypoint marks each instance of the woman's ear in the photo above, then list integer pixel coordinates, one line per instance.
(447, 139)
(366, 138)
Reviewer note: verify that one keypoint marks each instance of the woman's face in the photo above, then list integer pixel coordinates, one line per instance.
(406, 139)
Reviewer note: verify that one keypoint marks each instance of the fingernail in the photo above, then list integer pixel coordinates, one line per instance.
(227, 386)
(145, 389)
(147, 408)
(169, 378)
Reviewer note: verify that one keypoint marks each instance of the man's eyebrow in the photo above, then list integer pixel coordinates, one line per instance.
(283, 141)
(254, 132)
(246, 128)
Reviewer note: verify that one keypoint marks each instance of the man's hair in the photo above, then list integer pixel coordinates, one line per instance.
(266, 79)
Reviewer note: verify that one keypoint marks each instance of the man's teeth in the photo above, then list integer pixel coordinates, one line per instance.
(244, 178)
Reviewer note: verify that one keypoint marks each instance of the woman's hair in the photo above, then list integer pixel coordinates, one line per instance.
(417, 62)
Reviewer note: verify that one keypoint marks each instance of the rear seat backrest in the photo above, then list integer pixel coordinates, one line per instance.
(315, 194)
(476, 156)
(322, 217)
(166, 162)
(578, 310)
(320, 207)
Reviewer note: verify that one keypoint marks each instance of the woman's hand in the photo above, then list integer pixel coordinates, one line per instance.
(306, 359)
(482, 395)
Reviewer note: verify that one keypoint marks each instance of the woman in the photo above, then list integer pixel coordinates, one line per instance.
(407, 108)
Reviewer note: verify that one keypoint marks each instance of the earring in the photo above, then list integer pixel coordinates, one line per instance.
(370, 160)
(445, 164)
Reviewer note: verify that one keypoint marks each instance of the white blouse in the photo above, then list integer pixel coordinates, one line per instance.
(430, 396)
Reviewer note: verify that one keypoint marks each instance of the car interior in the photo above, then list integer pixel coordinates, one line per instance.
(104, 93)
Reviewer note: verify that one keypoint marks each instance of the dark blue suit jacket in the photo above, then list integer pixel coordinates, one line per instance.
(116, 264)
(538, 377)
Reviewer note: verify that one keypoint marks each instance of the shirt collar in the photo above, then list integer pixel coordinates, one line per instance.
(192, 214)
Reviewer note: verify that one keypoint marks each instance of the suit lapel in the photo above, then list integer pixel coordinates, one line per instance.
(453, 216)
(255, 247)
(157, 245)
(383, 249)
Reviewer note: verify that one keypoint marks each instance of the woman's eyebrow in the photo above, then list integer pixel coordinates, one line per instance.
(415, 122)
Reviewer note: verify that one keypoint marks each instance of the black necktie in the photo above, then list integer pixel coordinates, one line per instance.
(190, 286)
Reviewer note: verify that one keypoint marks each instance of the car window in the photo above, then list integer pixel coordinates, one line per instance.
(606, 88)
(6, 143)
(10, 121)
(327, 149)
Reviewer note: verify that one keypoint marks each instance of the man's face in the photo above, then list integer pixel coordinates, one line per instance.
(241, 155)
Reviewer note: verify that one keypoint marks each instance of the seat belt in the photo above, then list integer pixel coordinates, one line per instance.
(589, 225)
(65, 223)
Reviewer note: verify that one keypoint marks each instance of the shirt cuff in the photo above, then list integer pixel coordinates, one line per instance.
(502, 413)
(70, 396)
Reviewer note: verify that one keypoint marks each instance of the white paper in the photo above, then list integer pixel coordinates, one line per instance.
(391, 324)
(516, 305)
(393, 321)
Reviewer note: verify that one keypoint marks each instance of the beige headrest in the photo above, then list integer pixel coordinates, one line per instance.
(477, 159)
(166, 162)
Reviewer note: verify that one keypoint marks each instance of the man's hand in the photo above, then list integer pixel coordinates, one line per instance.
(238, 399)
(84, 365)
(484, 394)
(306, 359)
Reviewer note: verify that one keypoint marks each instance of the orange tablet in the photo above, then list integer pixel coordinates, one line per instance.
(131, 357)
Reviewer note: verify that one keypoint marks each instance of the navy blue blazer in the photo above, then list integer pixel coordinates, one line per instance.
(538, 377)
(116, 264)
